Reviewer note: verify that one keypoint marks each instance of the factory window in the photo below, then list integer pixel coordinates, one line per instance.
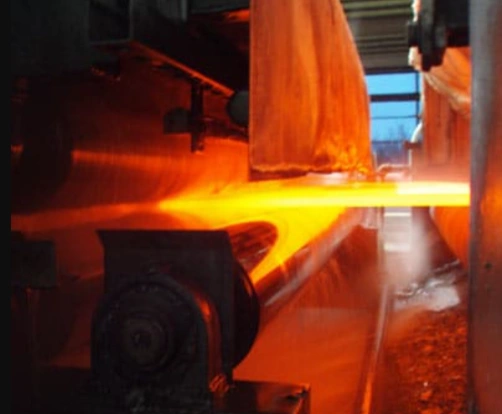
(395, 112)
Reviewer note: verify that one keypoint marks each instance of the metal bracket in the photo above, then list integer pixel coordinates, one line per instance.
(440, 24)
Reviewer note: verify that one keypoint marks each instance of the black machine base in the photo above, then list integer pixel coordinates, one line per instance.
(71, 392)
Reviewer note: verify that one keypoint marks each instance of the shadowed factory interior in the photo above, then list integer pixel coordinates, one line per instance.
(212, 213)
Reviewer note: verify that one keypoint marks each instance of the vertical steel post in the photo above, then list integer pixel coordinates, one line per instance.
(485, 260)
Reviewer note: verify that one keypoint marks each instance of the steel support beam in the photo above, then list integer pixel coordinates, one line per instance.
(485, 313)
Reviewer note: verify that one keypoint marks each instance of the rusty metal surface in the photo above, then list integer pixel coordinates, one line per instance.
(445, 150)
(453, 224)
(309, 108)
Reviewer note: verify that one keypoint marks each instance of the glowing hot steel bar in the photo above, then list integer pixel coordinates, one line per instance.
(294, 193)
(301, 210)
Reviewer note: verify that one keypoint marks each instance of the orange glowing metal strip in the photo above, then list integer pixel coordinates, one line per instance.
(302, 212)
(348, 195)
(296, 227)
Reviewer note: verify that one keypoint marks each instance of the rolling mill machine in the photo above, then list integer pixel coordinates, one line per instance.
(177, 182)
(146, 261)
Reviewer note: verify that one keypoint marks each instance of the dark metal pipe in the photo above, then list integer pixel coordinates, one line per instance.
(485, 249)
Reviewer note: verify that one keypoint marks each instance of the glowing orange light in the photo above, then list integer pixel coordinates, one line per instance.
(298, 194)
(296, 227)
(303, 208)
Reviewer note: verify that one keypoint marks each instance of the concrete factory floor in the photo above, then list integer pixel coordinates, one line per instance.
(402, 357)
(423, 366)
(321, 346)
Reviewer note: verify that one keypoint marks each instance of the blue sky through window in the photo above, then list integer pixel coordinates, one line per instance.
(397, 117)
(394, 111)
(389, 83)
(382, 110)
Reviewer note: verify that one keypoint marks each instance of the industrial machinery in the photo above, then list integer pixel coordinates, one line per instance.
(142, 276)
(174, 176)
